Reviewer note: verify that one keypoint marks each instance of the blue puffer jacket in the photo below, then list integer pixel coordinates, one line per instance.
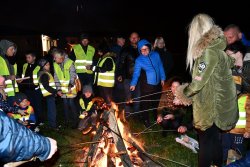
(18, 143)
(151, 64)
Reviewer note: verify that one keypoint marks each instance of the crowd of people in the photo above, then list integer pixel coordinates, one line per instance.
(136, 73)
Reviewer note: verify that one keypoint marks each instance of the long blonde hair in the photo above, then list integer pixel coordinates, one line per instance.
(200, 24)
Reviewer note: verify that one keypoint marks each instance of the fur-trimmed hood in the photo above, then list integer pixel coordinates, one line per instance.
(213, 38)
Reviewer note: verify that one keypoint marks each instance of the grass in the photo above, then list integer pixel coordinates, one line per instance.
(154, 143)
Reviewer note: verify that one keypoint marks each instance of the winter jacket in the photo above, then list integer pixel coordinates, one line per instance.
(167, 60)
(18, 143)
(126, 62)
(151, 64)
(212, 90)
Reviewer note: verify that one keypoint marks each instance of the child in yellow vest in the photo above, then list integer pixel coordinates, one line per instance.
(48, 89)
(28, 117)
(88, 109)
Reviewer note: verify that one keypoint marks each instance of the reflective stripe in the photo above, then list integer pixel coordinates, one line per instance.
(242, 114)
(107, 74)
(84, 61)
(8, 90)
(80, 67)
(241, 122)
(8, 82)
(105, 81)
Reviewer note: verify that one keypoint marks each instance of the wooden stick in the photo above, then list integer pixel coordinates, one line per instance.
(20, 79)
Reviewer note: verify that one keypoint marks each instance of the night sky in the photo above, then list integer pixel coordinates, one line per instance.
(60, 18)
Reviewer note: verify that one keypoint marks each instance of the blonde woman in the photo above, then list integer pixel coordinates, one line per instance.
(212, 90)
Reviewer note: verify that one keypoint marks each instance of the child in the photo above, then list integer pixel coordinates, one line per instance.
(28, 117)
(88, 110)
(170, 115)
(48, 89)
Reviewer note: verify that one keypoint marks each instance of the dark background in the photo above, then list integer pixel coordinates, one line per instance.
(150, 18)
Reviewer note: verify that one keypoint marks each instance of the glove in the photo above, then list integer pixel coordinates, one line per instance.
(83, 115)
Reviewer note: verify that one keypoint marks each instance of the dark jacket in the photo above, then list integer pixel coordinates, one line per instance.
(151, 64)
(126, 62)
(243, 162)
(18, 143)
(28, 83)
(44, 80)
(167, 60)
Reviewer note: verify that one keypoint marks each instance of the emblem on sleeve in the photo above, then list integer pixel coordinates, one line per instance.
(202, 66)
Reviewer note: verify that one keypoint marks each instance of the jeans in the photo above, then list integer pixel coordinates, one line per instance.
(135, 107)
(51, 110)
(70, 112)
(86, 79)
(232, 141)
(35, 97)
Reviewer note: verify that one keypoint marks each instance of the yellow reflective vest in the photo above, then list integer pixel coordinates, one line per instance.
(105, 79)
(64, 78)
(51, 83)
(11, 86)
(81, 102)
(242, 111)
(34, 75)
(83, 59)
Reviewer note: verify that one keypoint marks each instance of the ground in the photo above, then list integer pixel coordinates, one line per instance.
(155, 143)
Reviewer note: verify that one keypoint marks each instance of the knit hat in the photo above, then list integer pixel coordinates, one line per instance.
(103, 47)
(84, 36)
(19, 97)
(87, 88)
(42, 63)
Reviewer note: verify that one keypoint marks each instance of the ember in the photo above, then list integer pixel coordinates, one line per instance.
(117, 147)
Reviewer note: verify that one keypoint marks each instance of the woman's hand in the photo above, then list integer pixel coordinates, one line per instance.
(132, 88)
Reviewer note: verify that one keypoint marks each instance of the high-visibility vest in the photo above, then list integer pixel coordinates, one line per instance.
(29, 111)
(81, 102)
(242, 111)
(51, 83)
(64, 78)
(105, 79)
(34, 73)
(83, 59)
(11, 86)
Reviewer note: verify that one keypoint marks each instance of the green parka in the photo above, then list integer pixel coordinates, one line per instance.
(212, 90)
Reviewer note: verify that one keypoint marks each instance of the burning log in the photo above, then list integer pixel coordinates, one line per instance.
(116, 146)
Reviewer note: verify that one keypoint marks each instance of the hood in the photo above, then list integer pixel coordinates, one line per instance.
(4, 45)
(214, 38)
(142, 43)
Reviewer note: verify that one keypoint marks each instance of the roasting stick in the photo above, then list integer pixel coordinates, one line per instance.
(146, 129)
(20, 79)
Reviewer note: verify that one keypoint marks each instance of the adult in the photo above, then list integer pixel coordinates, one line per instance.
(65, 76)
(8, 64)
(212, 90)
(82, 54)
(150, 62)
(125, 71)
(166, 57)
(104, 73)
(18, 143)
